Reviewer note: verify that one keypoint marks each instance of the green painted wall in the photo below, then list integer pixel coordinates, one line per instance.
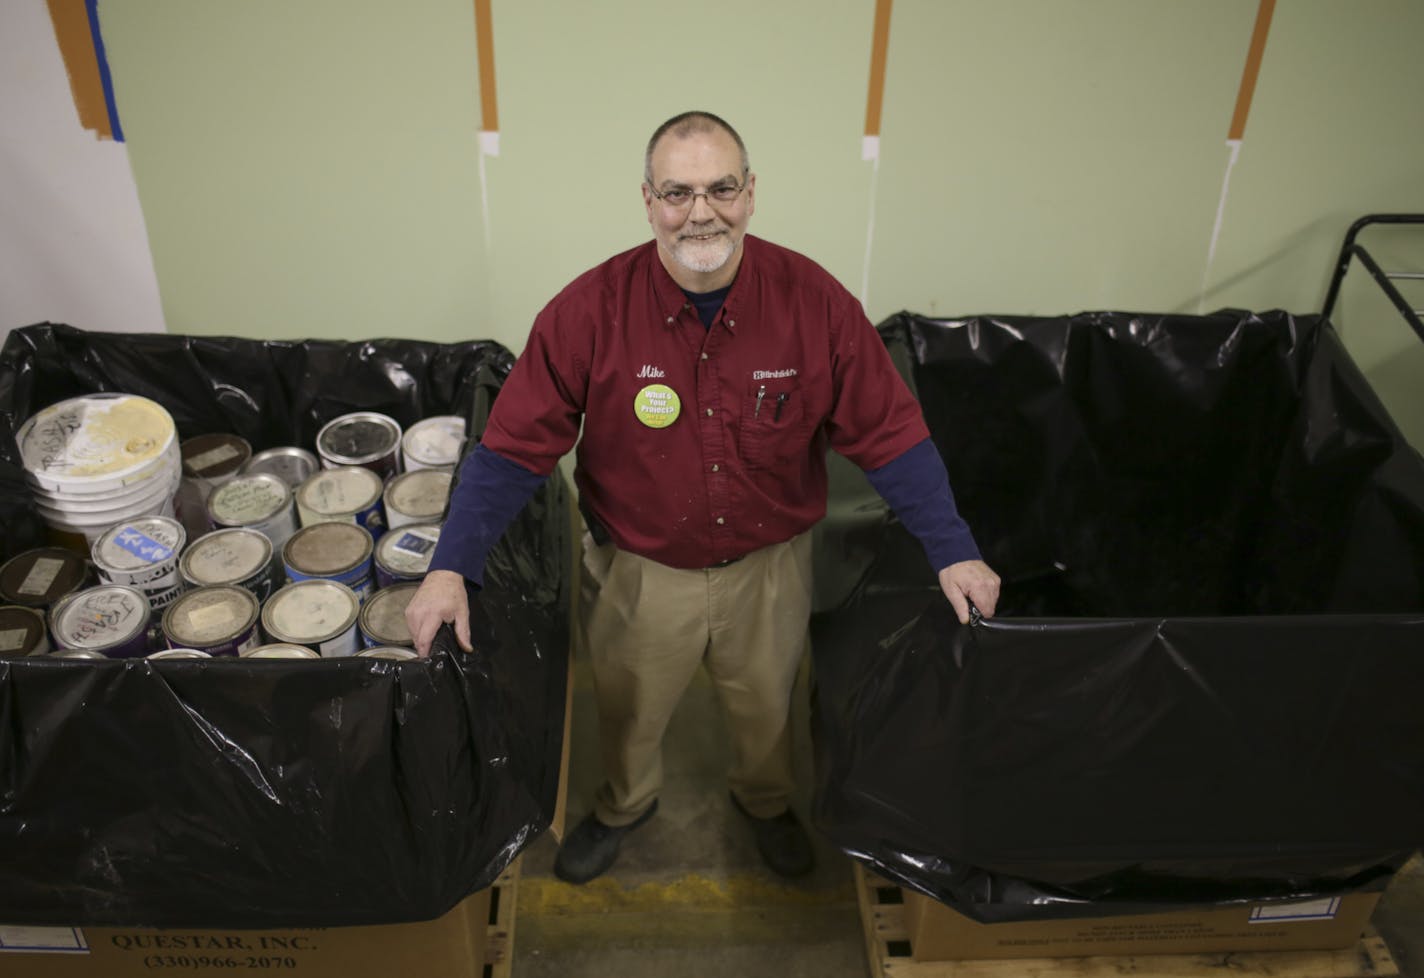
(313, 168)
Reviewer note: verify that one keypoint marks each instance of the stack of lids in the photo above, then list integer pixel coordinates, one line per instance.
(100, 459)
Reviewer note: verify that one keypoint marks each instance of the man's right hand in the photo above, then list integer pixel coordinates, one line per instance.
(440, 598)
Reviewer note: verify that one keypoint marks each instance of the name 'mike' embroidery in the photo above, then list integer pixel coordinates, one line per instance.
(651, 371)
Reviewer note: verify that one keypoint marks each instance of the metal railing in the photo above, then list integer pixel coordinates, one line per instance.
(1386, 280)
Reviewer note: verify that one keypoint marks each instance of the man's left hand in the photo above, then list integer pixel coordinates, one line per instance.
(970, 580)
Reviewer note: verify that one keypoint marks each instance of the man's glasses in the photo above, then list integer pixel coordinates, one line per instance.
(681, 198)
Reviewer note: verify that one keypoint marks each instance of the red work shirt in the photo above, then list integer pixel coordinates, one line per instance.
(734, 459)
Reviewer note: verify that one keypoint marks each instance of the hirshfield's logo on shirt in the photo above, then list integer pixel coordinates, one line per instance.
(651, 371)
(773, 374)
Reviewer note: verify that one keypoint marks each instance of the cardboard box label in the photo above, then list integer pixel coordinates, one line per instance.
(1324, 909)
(43, 940)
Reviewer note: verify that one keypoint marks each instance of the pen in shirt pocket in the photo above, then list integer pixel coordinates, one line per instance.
(780, 400)
(761, 392)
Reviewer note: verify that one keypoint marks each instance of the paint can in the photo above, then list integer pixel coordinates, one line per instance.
(208, 461)
(416, 497)
(22, 632)
(76, 654)
(214, 458)
(236, 556)
(179, 654)
(99, 459)
(382, 620)
(404, 555)
(280, 650)
(220, 620)
(290, 464)
(364, 438)
(111, 619)
(39, 578)
(318, 614)
(347, 494)
(434, 443)
(388, 652)
(257, 502)
(331, 552)
(143, 553)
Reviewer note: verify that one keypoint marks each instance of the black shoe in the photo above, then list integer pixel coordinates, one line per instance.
(592, 847)
(782, 842)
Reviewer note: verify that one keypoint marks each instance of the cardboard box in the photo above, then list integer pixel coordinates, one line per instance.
(938, 933)
(452, 946)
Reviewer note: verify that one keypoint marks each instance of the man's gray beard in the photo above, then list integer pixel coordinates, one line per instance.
(688, 253)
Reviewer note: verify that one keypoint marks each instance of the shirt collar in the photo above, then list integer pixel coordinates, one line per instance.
(671, 301)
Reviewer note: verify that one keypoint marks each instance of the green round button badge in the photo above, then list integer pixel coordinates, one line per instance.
(657, 405)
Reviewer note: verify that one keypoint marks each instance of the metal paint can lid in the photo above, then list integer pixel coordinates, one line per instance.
(406, 551)
(280, 650)
(22, 632)
(179, 654)
(214, 457)
(38, 578)
(248, 500)
(388, 652)
(420, 495)
(97, 443)
(328, 549)
(310, 612)
(355, 439)
(290, 464)
(98, 618)
(339, 492)
(138, 544)
(225, 557)
(383, 616)
(77, 654)
(434, 442)
(210, 616)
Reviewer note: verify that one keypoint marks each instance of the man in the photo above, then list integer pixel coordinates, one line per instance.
(710, 371)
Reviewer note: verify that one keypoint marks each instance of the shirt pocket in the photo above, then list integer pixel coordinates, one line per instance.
(774, 427)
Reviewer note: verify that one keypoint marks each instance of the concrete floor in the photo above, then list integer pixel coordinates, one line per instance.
(689, 897)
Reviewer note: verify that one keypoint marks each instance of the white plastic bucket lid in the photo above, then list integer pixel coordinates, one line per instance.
(96, 443)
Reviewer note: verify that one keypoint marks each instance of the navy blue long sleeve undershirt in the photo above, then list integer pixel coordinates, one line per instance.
(916, 486)
(498, 490)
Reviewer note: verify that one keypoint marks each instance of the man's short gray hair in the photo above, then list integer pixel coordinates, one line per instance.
(685, 125)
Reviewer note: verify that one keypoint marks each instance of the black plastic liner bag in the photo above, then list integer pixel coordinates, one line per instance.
(251, 793)
(1202, 684)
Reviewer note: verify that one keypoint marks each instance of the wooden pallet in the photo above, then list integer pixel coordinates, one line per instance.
(499, 935)
(887, 946)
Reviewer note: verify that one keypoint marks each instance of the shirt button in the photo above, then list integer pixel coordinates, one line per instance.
(704, 356)
(709, 412)
(720, 521)
(731, 322)
(671, 319)
(716, 467)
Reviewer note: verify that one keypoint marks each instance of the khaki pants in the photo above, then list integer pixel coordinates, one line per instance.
(648, 626)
